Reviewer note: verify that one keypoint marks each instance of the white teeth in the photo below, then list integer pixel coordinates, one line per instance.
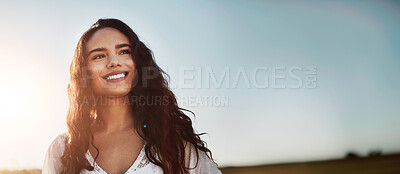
(116, 76)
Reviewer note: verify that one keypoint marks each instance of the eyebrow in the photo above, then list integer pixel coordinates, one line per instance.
(122, 45)
(104, 49)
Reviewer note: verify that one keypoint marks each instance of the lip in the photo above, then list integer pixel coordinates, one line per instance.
(114, 73)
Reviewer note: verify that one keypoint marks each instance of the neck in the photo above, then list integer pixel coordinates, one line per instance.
(115, 114)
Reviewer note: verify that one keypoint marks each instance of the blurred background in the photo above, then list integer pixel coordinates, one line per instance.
(279, 86)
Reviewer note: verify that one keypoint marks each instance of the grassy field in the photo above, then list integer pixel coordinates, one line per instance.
(31, 171)
(388, 164)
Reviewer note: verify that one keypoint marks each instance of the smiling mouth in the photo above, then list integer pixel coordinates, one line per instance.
(116, 76)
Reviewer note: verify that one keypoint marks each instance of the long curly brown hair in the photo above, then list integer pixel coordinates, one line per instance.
(167, 127)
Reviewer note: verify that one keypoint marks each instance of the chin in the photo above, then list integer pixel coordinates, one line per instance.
(116, 93)
(117, 89)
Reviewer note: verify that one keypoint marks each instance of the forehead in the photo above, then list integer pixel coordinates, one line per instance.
(106, 38)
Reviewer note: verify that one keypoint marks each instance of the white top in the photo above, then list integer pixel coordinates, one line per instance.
(52, 162)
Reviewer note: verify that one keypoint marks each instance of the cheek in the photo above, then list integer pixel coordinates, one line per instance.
(94, 72)
(95, 81)
(94, 76)
(132, 66)
(130, 63)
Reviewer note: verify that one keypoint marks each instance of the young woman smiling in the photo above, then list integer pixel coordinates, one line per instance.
(109, 130)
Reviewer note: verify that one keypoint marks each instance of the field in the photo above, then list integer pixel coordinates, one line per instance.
(387, 164)
(31, 171)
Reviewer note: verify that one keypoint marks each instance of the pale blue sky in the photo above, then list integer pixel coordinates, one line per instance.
(353, 44)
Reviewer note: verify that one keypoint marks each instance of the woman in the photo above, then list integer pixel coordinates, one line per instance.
(122, 117)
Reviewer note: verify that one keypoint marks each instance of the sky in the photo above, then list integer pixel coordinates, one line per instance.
(269, 81)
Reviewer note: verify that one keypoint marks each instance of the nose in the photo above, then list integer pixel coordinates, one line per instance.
(113, 62)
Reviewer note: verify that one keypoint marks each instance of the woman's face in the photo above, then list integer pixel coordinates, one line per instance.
(110, 65)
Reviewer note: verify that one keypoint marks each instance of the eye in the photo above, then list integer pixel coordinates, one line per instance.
(98, 56)
(124, 52)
